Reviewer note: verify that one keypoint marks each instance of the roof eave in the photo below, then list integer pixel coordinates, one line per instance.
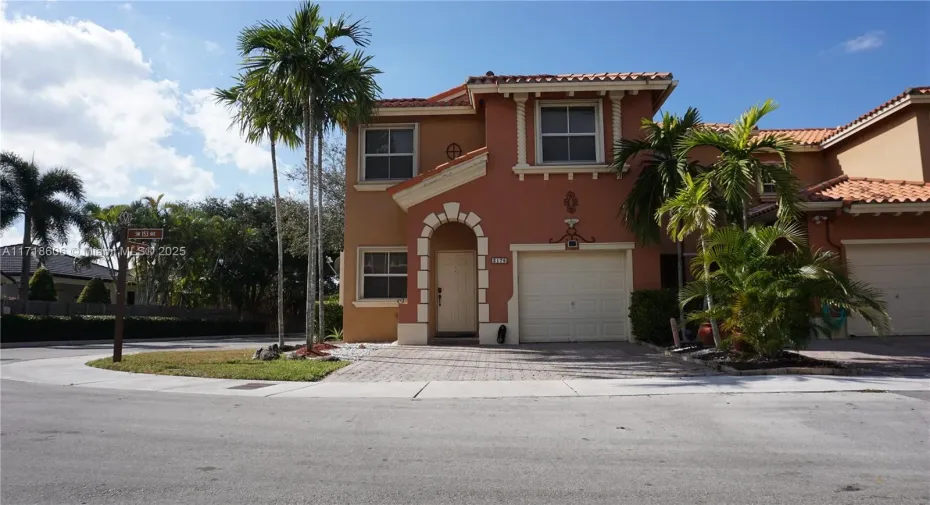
(892, 109)
(443, 110)
(555, 87)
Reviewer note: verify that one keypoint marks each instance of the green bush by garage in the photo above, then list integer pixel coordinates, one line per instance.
(29, 328)
(650, 311)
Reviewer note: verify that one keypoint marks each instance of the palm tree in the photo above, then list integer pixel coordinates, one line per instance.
(764, 298)
(690, 211)
(295, 57)
(263, 113)
(101, 233)
(739, 171)
(660, 178)
(349, 97)
(49, 203)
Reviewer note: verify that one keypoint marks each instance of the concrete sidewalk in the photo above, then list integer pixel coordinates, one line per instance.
(71, 371)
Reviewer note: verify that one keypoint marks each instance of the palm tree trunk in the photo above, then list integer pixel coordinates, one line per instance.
(311, 252)
(319, 222)
(745, 217)
(26, 252)
(277, 227)
(710, 299)
(681, 284)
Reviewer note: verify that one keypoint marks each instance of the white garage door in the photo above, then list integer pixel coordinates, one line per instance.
(573, 296)
(902, 272)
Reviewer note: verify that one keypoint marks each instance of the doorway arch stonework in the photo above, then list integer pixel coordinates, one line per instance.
(452, 213)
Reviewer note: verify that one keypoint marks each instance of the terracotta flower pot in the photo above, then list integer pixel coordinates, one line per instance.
(706, 334)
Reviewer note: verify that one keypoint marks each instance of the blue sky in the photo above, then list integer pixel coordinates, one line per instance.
(72, 70)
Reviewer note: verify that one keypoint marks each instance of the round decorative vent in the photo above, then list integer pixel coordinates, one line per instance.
(453, 151)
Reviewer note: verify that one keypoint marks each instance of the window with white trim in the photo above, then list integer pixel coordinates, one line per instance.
(569, 133)
(384, 275)
(388, 153)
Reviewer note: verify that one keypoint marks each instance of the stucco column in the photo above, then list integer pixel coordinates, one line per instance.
(615, 119)
(520, 98)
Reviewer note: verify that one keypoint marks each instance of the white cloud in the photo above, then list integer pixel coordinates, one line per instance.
(222, 143)
(81, 96)
(212, 47)
(125, 7)
(870, 40)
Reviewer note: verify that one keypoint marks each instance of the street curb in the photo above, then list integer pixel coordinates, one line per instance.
(849, 372)
(14, 345)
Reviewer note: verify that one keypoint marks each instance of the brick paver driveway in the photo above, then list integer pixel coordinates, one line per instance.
(614, 360)
(900, 356)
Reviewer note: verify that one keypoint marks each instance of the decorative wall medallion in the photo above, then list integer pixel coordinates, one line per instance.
(571, 234)
(453, 151)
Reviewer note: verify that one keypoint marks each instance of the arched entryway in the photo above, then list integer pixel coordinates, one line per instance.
(452, 251)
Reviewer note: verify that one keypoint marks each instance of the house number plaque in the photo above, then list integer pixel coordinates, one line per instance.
(499, 261)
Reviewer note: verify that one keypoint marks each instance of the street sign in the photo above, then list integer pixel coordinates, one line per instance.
(146, 233)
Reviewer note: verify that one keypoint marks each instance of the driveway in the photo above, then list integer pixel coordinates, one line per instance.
(900, 356)
(614, 360)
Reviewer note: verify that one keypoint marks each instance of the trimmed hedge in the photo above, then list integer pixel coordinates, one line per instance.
(650, 310)
(29, 328)
(332, 317)
(95, 292)
(42, 286)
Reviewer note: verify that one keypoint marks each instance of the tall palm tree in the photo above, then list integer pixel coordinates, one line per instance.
(49, 203)
(690, 211)
(660, 178)
(294, 56)
(348, 97)
(262, 113)
(739, 171)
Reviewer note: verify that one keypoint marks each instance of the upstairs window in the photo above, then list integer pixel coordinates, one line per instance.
(388, 153)
(569, 133)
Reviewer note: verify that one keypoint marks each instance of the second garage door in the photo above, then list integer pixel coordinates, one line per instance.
(902, 272)
(573, 296)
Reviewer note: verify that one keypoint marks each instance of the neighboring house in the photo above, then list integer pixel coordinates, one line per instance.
(69, 282)
(491, 205)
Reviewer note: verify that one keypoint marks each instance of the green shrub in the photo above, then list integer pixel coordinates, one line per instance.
(29, 328)
(42, 286)
(333, 317)
(650, 311)
(95, 292)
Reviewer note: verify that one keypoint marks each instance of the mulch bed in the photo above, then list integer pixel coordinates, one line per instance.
(316, 350)
(745, 362)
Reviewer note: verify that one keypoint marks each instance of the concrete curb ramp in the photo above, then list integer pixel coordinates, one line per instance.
(72, 371)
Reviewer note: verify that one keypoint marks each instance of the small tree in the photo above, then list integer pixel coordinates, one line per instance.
(42, 286)
(95, 292)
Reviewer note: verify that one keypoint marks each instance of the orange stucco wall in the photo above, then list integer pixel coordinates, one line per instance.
(374, 219)
(843, 226)
(532, 211)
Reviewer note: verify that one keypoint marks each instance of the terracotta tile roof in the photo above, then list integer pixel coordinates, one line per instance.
(550, 78)
(436, 170)
(869, 190)
(921, 90)
(851, 190)
(803, 136)
(449, 98)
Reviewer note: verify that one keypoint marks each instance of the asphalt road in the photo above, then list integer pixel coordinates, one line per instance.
(65, 445)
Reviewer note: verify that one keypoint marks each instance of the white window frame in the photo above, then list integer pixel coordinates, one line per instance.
(598, 129)
(360, 269)
(387, 126)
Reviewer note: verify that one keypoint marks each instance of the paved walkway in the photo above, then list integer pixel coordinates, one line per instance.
(893, 356)
(614, 360)
(71, 371)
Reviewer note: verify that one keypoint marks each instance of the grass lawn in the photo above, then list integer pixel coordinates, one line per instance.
(226, 364)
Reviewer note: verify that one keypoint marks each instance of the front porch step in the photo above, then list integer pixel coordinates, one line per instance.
(461, 339)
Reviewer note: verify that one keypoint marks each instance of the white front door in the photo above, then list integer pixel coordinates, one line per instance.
(456, 293)
(902, 272)
(573, 296)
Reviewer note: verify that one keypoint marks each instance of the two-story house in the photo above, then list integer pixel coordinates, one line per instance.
(490, 208)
